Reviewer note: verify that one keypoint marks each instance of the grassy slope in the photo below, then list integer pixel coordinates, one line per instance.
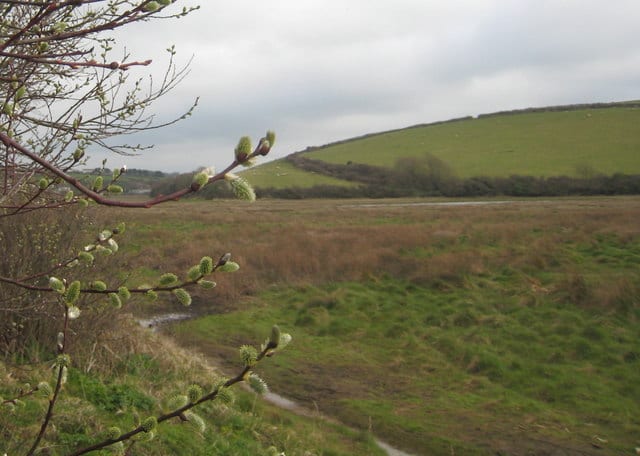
(536, 143)
(282, 174)
(140, 384)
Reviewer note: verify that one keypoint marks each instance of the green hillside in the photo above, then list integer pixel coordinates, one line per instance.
(553, 142)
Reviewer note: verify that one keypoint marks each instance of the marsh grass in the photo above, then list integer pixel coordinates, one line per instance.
(523, 316)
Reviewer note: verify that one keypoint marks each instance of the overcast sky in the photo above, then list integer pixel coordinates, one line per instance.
(321, 71)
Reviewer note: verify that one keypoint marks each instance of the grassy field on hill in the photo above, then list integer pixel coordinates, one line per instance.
(282, 174)
(508, 328)
(553, 143)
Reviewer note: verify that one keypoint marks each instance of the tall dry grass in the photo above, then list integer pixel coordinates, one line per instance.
(314, 242)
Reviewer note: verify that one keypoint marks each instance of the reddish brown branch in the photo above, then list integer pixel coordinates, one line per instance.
(97, 197)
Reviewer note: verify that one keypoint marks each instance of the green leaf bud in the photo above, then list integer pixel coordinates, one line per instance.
(85, 257)
(43, 183)
(83, 202)
(124, 293)
(248, 355)
(229, 266)
(44, 390)
(73, 292)
(43, 46)
(243, 149)
(56, 284)
(194, 393)
(98, 285)
(151, 295)
(257, 384)
(113, 188)
(97, 184)
(149, 424)
(73, 312)
(194, 272)
(114, 300)
(200, 180)
(183, 296)
(207, 284)
(78, 154)
(120, 229)
(68, 196)
(113, 432)
(206, 265)
(168, 279)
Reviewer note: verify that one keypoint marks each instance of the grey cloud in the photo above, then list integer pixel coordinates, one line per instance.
(318, 71)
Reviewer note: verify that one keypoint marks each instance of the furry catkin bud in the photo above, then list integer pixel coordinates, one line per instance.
(115, 301)
(207, 284)
(151, 7)
(194, 272)
(124, 293)
(149, 424)
(168, 279)
(97, 184)
(43, 183)
(206, 265)
(226, 396)
(194, 393)
(151, 295)
(271, 137)
(241, 188)
(248, 355)
(243, 149)
(73, 292)
(223, 260)
(196, 420)
(63, 360)
(113, 245)
(177, 401)
(113, 188)
(229, 266)
(257, 384)
(183, 296)
(73, 312)
(274, 338)
(85, 257)
(45, 390)
(56, 284)
(200, 179)
(98, 285)
(113, 432)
